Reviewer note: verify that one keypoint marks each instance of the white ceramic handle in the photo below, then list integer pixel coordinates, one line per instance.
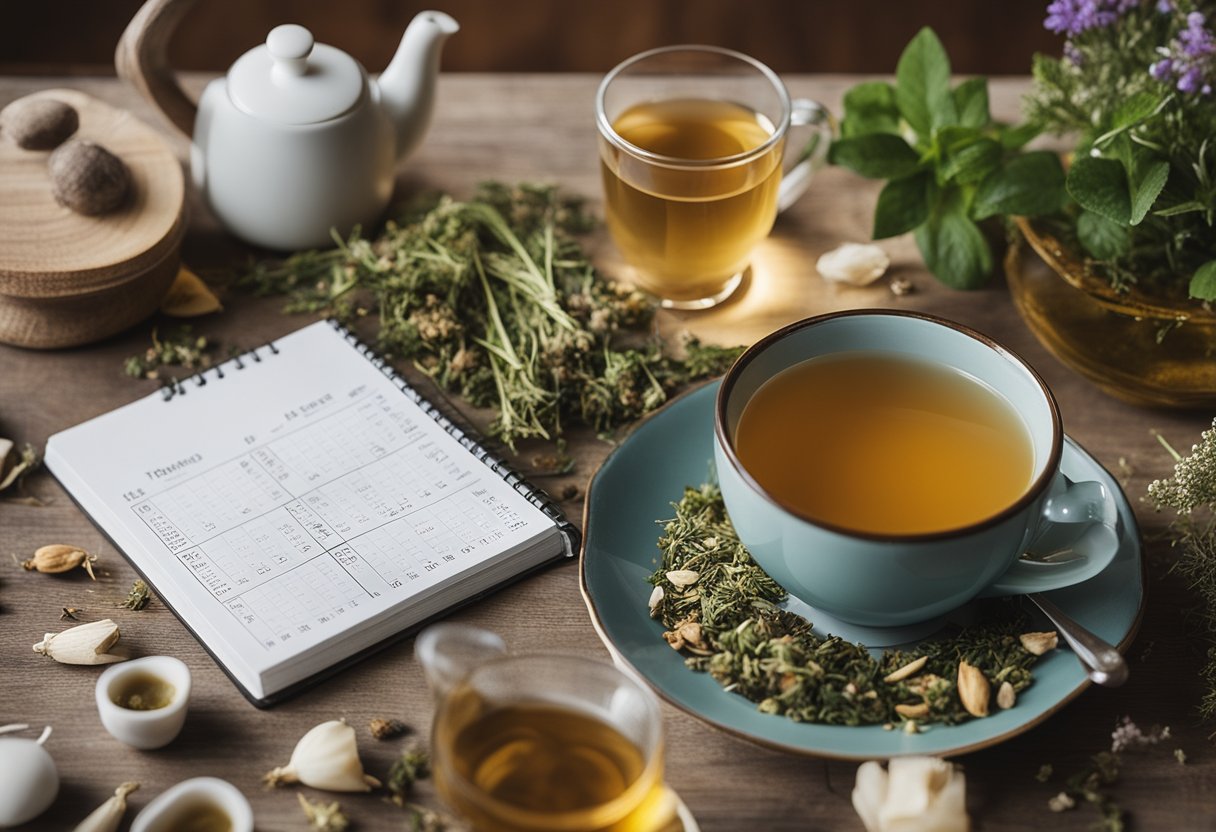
(812, 114)
(290, 45)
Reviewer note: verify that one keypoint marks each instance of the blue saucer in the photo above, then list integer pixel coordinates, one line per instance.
(672, 449)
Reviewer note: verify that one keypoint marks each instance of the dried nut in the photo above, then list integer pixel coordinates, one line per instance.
(1006, 697)
(855, 263)
(58, 558)
(1039, 643)
(87, 178)
(973, 689)
(683, 577)
(910, 669)
(39, 123)
(383, 729)
(917, 711)
(83, 644)
(656, 599)
(690, 631)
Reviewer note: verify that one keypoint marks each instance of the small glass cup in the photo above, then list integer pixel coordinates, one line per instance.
(692, 143)
(482, 728)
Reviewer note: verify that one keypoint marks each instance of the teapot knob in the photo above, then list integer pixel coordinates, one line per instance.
(290, 45)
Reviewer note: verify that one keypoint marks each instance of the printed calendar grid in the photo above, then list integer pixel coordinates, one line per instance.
(297, 532)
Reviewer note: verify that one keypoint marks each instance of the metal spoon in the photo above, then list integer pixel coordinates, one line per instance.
(1102, 662)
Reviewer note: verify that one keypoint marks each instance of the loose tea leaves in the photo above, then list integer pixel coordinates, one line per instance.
(495, 299)
(721, 609)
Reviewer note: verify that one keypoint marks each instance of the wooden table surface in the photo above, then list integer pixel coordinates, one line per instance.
(540, 128)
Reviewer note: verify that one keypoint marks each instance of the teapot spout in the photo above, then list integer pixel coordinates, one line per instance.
(407, 86)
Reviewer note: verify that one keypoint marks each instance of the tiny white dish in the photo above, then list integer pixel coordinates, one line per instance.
(146, 729)
(188, 799)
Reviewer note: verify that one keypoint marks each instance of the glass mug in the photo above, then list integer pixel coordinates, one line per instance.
(692, 143)
(542, 743)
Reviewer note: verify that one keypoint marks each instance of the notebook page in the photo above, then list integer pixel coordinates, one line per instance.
(280, 506)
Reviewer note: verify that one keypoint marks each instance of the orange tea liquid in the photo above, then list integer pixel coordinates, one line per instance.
(886, 445)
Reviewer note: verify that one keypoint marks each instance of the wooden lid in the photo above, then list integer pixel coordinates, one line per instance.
(47, 250)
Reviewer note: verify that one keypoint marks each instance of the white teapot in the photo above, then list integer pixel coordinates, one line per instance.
(297, 139)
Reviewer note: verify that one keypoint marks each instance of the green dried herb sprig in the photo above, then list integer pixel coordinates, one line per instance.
(138, 597)
(720, 609)
(413, 765)
(495, 299)
(177, 348)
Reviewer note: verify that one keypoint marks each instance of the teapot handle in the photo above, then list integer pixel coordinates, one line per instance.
(142, 59)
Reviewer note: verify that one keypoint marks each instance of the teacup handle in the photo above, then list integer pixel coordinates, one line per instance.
(806, 113)
(1070, 502)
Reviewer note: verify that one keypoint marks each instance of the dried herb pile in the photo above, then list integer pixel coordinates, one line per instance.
(720, 609)
(495, 299)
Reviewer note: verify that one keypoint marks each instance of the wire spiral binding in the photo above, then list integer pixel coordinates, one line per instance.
(467, 438)
(178, 387)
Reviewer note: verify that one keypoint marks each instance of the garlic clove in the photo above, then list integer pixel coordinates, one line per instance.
(107, 816)
(84, 644)
(869, 793)
(327, 757)
(853, 263)
(915, 794)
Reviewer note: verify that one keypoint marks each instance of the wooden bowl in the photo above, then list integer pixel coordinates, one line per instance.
(68, 279)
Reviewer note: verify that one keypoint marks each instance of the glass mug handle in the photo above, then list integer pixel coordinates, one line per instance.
(806, 113)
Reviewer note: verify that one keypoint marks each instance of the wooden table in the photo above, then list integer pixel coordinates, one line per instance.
(540, 127)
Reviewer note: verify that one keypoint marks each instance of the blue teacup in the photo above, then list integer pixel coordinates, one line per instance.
(888, 580)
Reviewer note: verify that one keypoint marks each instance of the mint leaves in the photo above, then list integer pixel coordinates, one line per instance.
(948, 164)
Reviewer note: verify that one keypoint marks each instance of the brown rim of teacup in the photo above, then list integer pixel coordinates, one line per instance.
(1028, 496)
(609, 134)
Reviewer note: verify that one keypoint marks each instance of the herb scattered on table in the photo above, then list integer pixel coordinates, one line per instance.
(323, 817)
(413, 765)
(384, 729)
(948, 165)
(495, 299)
(138, 597)
(720, 609)
(178, 348)
(1191, 493)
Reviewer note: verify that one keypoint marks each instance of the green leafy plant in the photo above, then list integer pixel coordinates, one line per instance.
(949, 166)
(1134, 87)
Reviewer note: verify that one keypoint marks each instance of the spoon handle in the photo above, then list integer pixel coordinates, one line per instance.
(1103, 663)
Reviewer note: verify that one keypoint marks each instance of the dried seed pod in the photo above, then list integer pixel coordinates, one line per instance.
(910, 669)
(107, 816)
(39, 123)
(656, 600)
(1039, 643)
(58, 558)
(683, 577)
(84, 644)
(87, 178)
(918, 711)
(973, 689)
(1006, 697)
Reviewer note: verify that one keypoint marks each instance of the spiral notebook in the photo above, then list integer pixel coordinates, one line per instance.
(300, 505)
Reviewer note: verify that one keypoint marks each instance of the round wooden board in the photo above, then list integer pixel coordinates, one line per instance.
(47, 250)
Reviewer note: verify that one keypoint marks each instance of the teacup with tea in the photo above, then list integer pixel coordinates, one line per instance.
(692, 147)
(542, 742)
(886, 467)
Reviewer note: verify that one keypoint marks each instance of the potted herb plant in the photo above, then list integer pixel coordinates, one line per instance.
(1122, 288)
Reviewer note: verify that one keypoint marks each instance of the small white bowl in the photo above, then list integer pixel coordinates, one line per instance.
(172, 807)
(144, 729)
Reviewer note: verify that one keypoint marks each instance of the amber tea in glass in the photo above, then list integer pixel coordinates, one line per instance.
(691, 149)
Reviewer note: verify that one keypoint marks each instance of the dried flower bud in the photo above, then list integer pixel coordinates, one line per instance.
(58, 558)
(323, 817)
(383, 729)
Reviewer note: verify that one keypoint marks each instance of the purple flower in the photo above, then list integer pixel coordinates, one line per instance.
(1165, 6)
(1190, 60)
(1072, 17)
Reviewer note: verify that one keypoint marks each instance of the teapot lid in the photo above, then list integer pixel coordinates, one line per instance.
(292, 80)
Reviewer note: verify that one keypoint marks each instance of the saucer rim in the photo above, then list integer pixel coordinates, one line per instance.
(1133, 532)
